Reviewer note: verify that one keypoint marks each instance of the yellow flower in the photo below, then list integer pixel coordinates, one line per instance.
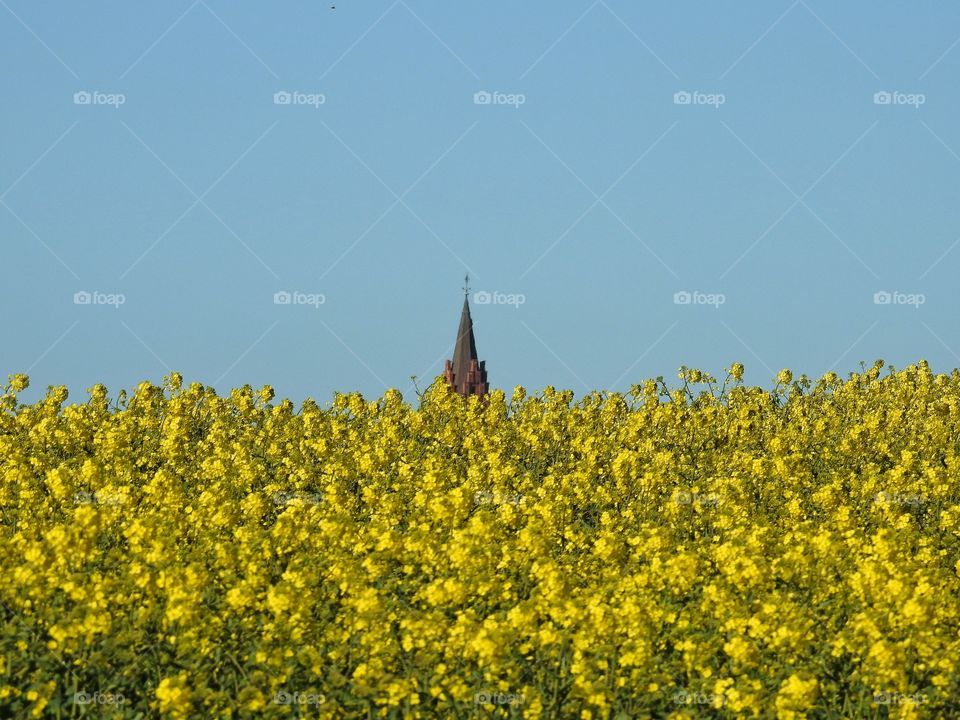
(555, 555)
(174, 696)
(796, 695)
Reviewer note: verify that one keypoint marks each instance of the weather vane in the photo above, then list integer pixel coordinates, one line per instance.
(466, 285)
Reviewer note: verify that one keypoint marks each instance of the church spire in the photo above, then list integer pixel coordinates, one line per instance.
(466, 374)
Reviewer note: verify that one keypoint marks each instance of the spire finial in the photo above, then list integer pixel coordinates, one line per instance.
(466, 285)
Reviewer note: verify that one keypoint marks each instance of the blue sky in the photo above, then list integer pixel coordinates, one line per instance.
(632, 187)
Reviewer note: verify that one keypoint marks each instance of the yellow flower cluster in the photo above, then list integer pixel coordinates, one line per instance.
(713, 550)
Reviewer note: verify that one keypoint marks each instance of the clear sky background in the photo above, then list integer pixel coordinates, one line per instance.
(597, 199)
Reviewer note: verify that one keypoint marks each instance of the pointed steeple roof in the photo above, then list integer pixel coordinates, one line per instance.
(466, 374)
(466, 348)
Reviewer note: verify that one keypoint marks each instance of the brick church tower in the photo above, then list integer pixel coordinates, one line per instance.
(465, 374)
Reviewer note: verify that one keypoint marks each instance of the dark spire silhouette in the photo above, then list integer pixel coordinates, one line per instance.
(466, 374)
